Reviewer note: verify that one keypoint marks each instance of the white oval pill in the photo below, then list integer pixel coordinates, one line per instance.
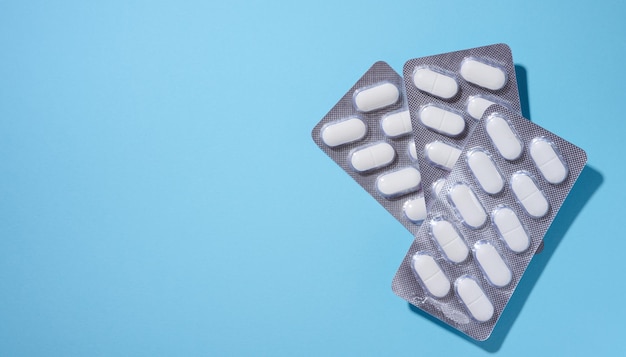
(485, 171)
(466, 203)
(438, 185)
(412, 150)
(503, 137)
(474, 298)
(441, 121)
(491, 263)
(343, 132)
(482, 74)
(449, 240)
(529, 195)
(398, 182)
(476, 106)
(376, 97)
(415, 209)
(435, 83)
(547, 160)
(430, 274)
(397, 124)
(442, 154)
(372, 157)
(510, 229)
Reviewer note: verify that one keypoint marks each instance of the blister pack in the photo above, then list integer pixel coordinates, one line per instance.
(368, 134)
(486, 222)
(447, 95)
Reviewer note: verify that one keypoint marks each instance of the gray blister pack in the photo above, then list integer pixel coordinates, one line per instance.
(447, 95)
(368, 134)
(486, 222)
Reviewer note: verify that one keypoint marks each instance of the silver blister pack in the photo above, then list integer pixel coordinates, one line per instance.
(487, 221)
(447, 95)
(368, 134)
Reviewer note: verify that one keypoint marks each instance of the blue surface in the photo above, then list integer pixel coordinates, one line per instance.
(160, 193)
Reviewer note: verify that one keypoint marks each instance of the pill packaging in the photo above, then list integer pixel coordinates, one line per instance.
(487, 221)
(368, 134)
(447, 95)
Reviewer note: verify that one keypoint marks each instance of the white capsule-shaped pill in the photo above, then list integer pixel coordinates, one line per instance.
(474, 298)
(343, 132)
(433, 279)
(449, 240)
(476, 105)
(398, 182)
(441, 154)
(483, 168)
(440, 120)
(435, 83)
(372, 157)
(415, 209)
(397, 124)
(438, 185)
(483, 74)
(467, 205)
(412, 150)
(510, 229)
(548, 161)
(376, 97)
(503, 137)
(529, 195)
(492, 264)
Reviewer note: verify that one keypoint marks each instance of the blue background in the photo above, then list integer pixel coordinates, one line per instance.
(160, 193)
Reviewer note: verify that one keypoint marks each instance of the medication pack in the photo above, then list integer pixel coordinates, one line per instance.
(447, 95)
(368, 134)
(446, 151)
(487, 220)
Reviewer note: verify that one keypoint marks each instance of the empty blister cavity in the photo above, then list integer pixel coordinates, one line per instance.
(529, 195)
(441, 154)
(548, 160)
(503, 137)
(396, 183)
(491, 263)
(485, 172)
(482, 74)
(372, 157)
(510, 229)
(477, 104)
(415, 209)
(343, 132)
(435, 83)
(467, 206)
(474, 298)
(376, 97)
(429, 273)
(396, 124)
(440, 120)
(448, 240)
